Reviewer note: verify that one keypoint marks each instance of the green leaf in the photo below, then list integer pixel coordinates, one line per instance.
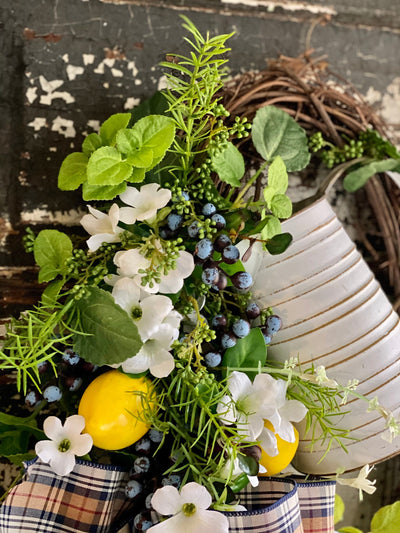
(20, 458)
(279, 243)
(357, 178)
(104, 192)
(156, 105)
(272, 227)
(275, 132)
(387, 519)
(137, 175)
(91, 143)
(338, 509)
(128, 143)
(155, 132)
(281, 206)
(112, 125)
(247, 353)
(51, 250)
(106, 168)
(278, 176)
(109, 334)
(229, 165)
(248, 465)
(73, 171)
(51, 292)
(350, 529)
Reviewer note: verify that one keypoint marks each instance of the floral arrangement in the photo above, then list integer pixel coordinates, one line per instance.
(147, 339)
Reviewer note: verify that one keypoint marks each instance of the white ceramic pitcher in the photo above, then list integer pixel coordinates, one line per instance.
(335, 314)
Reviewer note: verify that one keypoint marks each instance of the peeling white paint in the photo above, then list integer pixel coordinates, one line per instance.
(65, 58)
(31, 94)
(94, 124)
(132, 67)
(391, 103)
(138, 82)
(74, 71)
(131, 102)
(22, 179)
(38, 123)
(64, 127)
(286, 5)
(106, 85)
(373, 96)
(162, 83)
(117, 73)
(53, 149)
(43, 215)
(88, 59)
(50, 87)
(109, 62)
(100, 68)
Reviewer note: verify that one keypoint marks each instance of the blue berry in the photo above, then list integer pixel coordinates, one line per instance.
(133, 488)
(52, 393)
(73, 383)
(204, 249)
(219, 321)
(141, 465)
(230, 254)
(221, 242)
(147, 501)
(213, 359)
(219, 220)
(143, 445)
(242, 280)
(228, 340)
(43, 367)
(32, 399)
(156, 436)
(241, 328)
(174, 221)
(210, 275)
(185, 195)
(267, 338)
(172, 479)
(209, 209)
(142, 521)
(273, 324)
(70, 357)
(221, 283)
(253, 311)
(193, 230)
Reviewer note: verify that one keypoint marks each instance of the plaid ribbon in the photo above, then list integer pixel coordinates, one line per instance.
(91, 499)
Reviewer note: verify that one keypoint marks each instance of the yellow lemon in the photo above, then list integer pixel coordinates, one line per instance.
(286, 451)
(113, 408)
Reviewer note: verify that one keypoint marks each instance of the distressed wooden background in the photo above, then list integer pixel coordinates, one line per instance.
(65, 65)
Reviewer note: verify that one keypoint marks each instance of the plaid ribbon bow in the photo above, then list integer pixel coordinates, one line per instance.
(91, 499)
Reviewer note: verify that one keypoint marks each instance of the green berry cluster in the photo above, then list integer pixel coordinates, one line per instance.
(240, 128)
(219, 110)
(28, 240)
(161, 261)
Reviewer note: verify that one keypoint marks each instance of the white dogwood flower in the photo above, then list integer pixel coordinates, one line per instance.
(66, 442)
(132, 264)
(144, 202)
(360, 482)
(248, 404)
(102, 227)
(285, 411)
(189, 510)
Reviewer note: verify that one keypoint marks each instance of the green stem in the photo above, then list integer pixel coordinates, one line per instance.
(237, 203)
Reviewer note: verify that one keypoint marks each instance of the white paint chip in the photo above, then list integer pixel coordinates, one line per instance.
(287, 5)
(50, 87)
(38, 123)
(88, 59)
(100, 68)
(31, 94)
(42, 215)
(106, 85)
(53, 149)
(138, 82)
(131, 102)
(109, 62)
(162, 83)
(74, 71)
(117, 73)
(64, 127)
(94, 124)
(132, 67)
(65, 58)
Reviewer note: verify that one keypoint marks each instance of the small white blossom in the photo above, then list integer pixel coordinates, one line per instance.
(189, 510)
(66, 442)
(360, 482)
(130, 262)
(322, 378)
(144, 202)
(102, 227)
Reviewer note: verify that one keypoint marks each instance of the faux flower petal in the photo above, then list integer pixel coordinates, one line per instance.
(293, 410)
(45, 450)
(126, 294)
(81, 444)
(268, 442)
(166, 500)
(127, 215)
(53, 428)
(239, 385)
(62, 463)
(197, 494)
(74, 424)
